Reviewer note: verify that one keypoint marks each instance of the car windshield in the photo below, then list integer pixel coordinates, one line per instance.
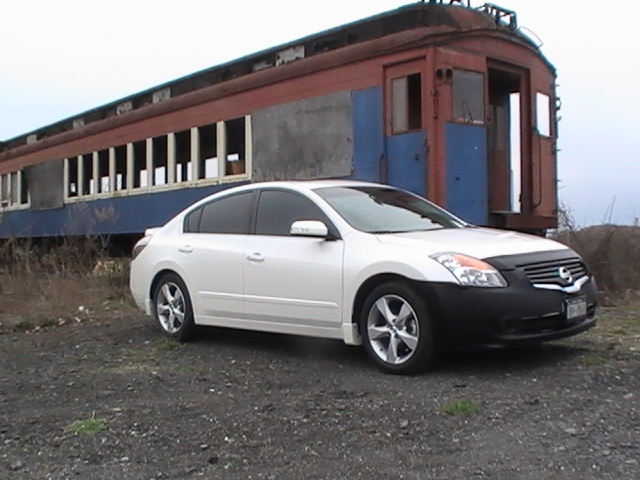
(387, 210)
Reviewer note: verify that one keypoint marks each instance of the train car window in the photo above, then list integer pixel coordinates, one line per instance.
(406, 103)
(72, 177)
(11, 189)
(468, 96)
(120, 167)
(160, 160)
(86, 182)
(236, 146)
(4, 189)
(24, 189)
(543, 117)
(140, 178)
(208, 151)
(183, 164)
(15, 188)
(104, 180)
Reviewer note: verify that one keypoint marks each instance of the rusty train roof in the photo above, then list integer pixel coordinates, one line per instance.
(443, 18)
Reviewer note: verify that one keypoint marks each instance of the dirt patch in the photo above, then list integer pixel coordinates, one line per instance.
(108, 397)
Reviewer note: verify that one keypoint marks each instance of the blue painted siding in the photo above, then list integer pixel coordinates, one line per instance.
(407, 162)
(126, 214)
(404, 154)
(466, 172)
(368, 134)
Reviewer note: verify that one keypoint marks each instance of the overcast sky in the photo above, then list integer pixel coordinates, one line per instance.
(58, 59)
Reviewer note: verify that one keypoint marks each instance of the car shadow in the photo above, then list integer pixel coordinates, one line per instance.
(281, 345)
(510, 359)
(496, 361)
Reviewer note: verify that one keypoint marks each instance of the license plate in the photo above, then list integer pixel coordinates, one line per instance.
(576, 308)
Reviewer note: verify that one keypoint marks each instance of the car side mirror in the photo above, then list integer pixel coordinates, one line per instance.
(309, 228)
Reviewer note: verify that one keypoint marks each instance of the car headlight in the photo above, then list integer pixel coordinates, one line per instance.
(470, 271)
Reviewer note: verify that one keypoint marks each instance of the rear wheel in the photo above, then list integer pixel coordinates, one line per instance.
(172, 308)
(396, 329)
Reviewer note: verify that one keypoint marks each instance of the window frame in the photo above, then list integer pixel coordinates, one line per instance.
(409, 114)
(13, 198)
(88, 164)
(405, 69)
(481, 120)
(201, 208)
(332, 229)
(548, 133)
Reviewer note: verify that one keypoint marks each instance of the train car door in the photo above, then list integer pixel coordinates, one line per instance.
(406, 152)
(460, 84)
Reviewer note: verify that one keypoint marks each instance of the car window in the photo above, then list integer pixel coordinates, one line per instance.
(278, 209)
(387, 210)
(231, 215)
(192, 221)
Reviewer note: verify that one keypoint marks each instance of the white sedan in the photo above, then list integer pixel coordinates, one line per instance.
(360, 262)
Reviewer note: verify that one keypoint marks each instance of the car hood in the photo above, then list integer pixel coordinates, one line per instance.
(477, 242)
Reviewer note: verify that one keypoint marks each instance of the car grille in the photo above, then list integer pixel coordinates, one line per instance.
(547, 272)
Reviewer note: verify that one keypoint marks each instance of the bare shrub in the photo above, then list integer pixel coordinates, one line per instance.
(612, 252)
(57, 281)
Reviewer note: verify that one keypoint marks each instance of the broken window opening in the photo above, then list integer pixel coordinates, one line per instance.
(103, 171)
(14, 197)
(24, 189)
(120, 168)
(208, 151)
(236, 146)
(140, 179)
(406, 103)
(468, 96)
(543, 114)
(4, 189)
(87, 183)
(160, 160)
(72, 177)
(183, 163)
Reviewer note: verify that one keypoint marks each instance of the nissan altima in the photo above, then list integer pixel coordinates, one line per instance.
(364, 263)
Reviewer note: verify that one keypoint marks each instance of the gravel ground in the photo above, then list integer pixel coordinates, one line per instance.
(116, 400)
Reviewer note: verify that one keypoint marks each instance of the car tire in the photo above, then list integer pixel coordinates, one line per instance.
(172, 308)
(396, 329)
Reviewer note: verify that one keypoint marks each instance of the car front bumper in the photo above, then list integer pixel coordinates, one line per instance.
(472, 317)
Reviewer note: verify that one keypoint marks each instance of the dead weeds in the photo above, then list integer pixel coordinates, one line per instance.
(43, 286)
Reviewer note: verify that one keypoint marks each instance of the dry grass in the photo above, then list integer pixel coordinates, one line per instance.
(613, 255)
(44, 286)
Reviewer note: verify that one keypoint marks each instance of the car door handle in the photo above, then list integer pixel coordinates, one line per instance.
(185, 249)
(256, 257)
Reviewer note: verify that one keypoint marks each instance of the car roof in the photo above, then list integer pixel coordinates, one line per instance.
(309, 184)
(294, 185)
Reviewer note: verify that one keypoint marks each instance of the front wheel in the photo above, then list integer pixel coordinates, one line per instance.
(396, 329)
(172, 308)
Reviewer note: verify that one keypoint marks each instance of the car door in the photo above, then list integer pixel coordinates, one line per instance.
(292, 280)
(212, 251)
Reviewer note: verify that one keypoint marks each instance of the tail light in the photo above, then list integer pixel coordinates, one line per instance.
(143, 242)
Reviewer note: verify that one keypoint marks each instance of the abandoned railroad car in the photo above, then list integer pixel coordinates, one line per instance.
(448, 101)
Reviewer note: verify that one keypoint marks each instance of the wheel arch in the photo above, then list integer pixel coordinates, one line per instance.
(432, 303)
(158, 276)
(367, 287)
